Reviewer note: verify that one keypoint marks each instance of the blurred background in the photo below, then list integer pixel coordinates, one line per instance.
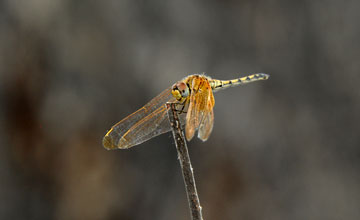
(286, 148)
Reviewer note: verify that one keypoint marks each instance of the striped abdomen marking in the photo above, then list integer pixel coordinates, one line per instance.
(221, 84)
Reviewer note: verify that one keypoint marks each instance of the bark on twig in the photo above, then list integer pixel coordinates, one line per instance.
(184, 159)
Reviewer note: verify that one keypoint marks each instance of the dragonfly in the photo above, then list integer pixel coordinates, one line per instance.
(195, 103)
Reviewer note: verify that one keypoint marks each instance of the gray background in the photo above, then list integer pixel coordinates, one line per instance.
(286, 148)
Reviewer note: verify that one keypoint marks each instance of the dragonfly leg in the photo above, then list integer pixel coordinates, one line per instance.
(180, 111)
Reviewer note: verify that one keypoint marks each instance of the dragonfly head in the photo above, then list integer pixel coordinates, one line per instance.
(180, 90)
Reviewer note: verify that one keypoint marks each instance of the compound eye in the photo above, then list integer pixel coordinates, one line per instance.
(183, 89)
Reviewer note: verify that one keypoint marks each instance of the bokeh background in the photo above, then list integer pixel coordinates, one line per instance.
(286, 148)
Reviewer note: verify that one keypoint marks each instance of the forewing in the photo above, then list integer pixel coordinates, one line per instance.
(145, 123)
(192, 122)
(152, 125)
(207, 123)
(198, 106)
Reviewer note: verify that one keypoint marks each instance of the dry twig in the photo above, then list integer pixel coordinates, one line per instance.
(184, 159)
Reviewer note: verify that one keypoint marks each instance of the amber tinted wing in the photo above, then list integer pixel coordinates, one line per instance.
(192, 120)
(147, 122)
(207, 122)
(200, 109)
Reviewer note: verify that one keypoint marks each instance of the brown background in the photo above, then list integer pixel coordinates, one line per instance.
(286, 148)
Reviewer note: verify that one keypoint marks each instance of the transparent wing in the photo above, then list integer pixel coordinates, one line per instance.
(147, 122)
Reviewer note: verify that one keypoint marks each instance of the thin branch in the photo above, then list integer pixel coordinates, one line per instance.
(184, 159)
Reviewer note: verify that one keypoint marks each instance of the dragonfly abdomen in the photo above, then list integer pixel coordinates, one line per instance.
(222, 84)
